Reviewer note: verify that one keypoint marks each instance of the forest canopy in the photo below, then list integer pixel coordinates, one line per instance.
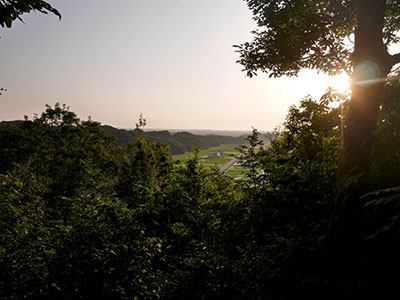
(85, 218)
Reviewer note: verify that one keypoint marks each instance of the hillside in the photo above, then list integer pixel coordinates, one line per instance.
(179, 142)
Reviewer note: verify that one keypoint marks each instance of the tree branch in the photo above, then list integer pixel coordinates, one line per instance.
(395, 59)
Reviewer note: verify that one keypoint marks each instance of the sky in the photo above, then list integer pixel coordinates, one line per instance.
(171, 60)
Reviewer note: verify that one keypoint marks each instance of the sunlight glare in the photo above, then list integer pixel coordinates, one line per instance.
(340, 82)
(311, 83)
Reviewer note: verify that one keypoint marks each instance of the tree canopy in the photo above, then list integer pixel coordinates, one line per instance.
(11, 10)
(314, 34)
(83, 218)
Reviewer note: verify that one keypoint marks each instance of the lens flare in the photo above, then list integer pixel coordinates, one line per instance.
(367, 73)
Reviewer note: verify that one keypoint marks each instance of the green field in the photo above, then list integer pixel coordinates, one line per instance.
(236, 171)
(216, 157)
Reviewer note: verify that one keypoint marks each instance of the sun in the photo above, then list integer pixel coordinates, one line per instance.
(340, 82)
(310, 82)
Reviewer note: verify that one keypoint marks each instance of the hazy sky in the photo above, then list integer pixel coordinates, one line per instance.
(171, 60)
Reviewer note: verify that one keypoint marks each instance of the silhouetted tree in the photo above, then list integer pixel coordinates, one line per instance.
(311, 34)
(10, 10)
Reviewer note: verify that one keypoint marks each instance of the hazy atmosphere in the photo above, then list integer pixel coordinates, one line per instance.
(171, 60)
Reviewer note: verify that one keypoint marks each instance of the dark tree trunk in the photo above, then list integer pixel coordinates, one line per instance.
(371, 63)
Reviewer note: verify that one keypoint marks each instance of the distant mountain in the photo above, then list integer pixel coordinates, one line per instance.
(179, 142)
(231, 133)
(122, 135)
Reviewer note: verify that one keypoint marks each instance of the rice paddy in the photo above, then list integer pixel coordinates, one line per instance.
(216, 157)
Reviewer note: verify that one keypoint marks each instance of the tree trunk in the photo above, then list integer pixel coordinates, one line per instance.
(371, 63)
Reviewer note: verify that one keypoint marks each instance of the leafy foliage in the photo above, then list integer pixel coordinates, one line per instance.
(386, 155)
(298, 34)
(10, 10)
(292, 35)
(84, 218)
(289, 188)
(70, 153)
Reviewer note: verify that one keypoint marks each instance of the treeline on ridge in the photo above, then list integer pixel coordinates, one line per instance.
(179, 142)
